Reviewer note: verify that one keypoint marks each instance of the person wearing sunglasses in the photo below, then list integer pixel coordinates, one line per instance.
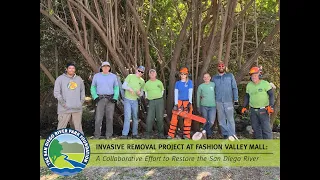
(226, 94)
(182, 100)
(133, 86)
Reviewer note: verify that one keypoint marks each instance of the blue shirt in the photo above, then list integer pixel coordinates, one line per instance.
(183, 89)
(105, 83)
(226, 89)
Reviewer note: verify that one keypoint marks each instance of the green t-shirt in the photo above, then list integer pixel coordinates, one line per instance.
(205, 95)
(153, 89)
(135, 83)
(258, 93)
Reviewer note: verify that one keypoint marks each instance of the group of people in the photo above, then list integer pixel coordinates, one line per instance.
(217, 95)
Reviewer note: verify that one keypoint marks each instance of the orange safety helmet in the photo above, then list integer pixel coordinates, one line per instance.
(254, 70)
(184, 70)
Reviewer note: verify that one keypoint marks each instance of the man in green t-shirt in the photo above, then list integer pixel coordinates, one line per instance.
(206, 103)
(154, 94)
(133, 86)
(259, 96)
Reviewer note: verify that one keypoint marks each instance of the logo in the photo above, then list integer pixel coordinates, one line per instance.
(260, 90)
(66, 152)
(72, 85)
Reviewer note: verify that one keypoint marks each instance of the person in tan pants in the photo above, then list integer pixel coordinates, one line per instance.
(69, 90)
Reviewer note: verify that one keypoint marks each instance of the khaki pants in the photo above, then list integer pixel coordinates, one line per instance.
(75, 122)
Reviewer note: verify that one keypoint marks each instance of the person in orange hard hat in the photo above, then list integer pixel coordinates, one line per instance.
(260, 97)
(183, 101)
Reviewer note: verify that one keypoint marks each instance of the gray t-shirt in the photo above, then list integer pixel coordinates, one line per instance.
(105, 83)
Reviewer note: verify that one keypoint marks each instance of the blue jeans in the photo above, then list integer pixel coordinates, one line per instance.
(130, 109)
(209, 113)
(226, 119)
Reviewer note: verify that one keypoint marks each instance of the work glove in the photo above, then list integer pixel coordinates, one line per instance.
(269, 109)
(189, 106)
(236, 104)
(113, 100)
(175, 107)
(244, 110)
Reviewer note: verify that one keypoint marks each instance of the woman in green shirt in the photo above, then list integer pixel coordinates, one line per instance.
(206, 103)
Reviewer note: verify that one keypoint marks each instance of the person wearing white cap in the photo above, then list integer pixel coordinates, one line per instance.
(105, 92)
(133, 86)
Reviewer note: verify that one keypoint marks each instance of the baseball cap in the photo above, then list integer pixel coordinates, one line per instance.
(142, 68)
(152, 70)
(106, 63)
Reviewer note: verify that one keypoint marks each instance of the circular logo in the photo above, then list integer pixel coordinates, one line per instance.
(66, 152)
(72, 85)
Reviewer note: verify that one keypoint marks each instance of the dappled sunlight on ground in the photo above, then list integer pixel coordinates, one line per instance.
(203, 175)
(108, 175)
(150, 173)
(49, 177)
(227, 177)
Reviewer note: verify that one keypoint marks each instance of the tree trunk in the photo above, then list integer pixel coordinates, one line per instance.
(276, 110)
(229, 37)
(223, 28)
(207, 60)
(57, 60)
(256, 29)
(104, 38)
(66, 29)
(265, 42)
(46, 71)
(144, 35)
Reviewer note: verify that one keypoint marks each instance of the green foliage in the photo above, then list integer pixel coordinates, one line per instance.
(276, 122)
(55, 150)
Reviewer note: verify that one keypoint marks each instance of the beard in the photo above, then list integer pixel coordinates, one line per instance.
(221, 70)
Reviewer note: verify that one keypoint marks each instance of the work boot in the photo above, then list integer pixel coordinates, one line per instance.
(185, 137)
(95, 137)
(123, 137)
(169, 137)
(136, 137)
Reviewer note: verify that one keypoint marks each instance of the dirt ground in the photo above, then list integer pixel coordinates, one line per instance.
(164, 173)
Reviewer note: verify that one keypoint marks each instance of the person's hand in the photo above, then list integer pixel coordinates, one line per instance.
(236, 104)
(113, 100)
(175, 107)
(147, 102)
(244, 110)
(189, 106)
(131, 91)
(270, 109)
(138, 92)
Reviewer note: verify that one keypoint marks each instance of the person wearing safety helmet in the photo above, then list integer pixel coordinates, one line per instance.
(182, 99)
(226, 93)
(105, 92)
(260, 97)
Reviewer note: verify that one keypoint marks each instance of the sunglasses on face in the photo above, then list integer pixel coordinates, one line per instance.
(140, 71)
